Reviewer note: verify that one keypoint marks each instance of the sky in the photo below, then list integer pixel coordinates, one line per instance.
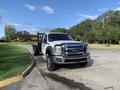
(44, 15)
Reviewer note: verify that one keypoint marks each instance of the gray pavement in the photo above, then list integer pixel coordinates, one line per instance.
(101, 74)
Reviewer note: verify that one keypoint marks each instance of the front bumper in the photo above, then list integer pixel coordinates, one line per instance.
(70, 60)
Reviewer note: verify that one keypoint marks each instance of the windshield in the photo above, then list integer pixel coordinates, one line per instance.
(57, 37)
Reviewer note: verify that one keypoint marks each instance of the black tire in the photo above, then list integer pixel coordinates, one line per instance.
(50, 64)
(36, 50)
(83, 64)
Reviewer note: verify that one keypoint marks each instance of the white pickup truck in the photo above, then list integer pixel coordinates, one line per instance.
(60, 48)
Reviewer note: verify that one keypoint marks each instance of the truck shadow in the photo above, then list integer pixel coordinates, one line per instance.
(76, 66)
(71, 84)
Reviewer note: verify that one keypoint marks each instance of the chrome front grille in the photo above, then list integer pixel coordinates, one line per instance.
(71, 51)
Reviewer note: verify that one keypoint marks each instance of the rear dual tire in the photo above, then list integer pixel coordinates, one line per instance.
(36, 50)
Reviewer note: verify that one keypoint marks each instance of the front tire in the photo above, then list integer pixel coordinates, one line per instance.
(50, 63)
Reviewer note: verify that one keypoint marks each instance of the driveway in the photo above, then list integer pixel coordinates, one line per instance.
(102, 73)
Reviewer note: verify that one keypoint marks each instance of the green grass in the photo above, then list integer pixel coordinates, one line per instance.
(13, 60)
(17, 43)
(103, 46)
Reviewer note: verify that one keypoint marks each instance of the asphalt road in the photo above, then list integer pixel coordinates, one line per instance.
(102, 73)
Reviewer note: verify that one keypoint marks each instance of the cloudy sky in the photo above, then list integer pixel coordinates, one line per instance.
(43, 15)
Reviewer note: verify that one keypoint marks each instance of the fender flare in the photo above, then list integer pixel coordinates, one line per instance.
(49, 50)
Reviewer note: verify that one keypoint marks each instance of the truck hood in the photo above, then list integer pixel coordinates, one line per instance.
(66, 42)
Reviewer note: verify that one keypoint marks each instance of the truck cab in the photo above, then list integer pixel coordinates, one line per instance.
(60, 48)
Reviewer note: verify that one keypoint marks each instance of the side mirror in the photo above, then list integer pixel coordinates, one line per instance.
(77, 40)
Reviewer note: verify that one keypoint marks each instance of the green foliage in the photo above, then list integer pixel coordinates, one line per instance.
(10, 32)
(59, 30)
(104, 29)
(80, 30)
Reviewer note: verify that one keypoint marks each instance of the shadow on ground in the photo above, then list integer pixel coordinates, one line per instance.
(76, 66)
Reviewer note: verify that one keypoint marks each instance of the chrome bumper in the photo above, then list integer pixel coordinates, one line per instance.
(69, 60)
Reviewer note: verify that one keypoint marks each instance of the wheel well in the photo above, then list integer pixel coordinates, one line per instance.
(48, 51)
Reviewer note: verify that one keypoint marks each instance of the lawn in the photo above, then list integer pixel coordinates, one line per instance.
(17, 43)
(103, 46)
(13, 60)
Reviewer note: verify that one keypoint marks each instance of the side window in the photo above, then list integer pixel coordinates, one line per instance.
(45, 39)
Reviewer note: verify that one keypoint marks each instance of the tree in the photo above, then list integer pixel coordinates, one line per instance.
(10, 32)
(59, 30)
(78, 31)
(104, 29)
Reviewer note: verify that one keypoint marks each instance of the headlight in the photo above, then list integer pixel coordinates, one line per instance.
(87, 49)
(58, 50)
